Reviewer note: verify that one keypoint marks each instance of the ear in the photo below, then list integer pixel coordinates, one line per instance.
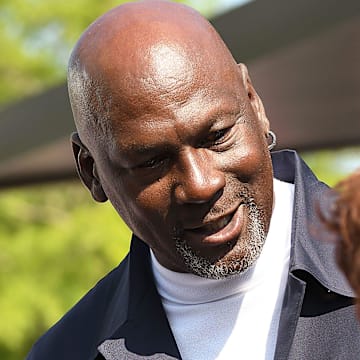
(86, 168)
(254, 99)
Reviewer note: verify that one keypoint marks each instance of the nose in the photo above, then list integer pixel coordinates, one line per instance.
(199, 180)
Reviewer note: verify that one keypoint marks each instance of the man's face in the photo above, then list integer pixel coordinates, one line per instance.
(188, 167)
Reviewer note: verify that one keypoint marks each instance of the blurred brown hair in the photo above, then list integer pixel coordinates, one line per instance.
(344, 220)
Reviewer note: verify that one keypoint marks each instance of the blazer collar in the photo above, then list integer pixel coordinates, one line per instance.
(310, 251)
(146, 332)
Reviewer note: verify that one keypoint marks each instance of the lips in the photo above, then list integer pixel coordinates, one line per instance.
(217, 225)
(218, 232)
(213, 226)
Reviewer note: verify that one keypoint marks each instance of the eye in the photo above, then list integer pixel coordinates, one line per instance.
(216, 138)
(153, 163)
(220, 135)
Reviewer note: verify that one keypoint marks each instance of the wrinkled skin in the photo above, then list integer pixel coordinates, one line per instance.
(186, 151)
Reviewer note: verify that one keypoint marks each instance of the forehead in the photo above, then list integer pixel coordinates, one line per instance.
(169, 86)
(167, 68)
(163, 70)
(167, 74)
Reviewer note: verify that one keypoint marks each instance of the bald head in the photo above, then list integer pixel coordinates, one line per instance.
(134, 51)
(169, 126)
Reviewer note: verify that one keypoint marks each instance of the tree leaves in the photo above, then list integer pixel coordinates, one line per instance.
(56, 243)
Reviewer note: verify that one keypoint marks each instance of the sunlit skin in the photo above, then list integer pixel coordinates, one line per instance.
(187, 152)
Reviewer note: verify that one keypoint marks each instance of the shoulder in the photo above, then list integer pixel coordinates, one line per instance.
(77, 334)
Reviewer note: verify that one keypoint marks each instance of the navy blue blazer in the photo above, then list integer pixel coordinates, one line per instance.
(122, 316)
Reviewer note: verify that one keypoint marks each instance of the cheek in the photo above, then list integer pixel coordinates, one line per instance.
(249, 154)
(248, 161)
(143, 214)
(150, 214)
(154, 200)
(121, 196)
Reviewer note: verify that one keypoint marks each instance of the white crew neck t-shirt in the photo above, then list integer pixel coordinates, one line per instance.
(235, 318)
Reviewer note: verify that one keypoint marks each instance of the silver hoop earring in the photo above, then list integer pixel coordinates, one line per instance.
(271, 135)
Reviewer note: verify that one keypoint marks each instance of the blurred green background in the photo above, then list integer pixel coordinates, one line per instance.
(56, 242)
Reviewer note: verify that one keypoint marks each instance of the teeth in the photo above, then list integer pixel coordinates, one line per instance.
(216, 226)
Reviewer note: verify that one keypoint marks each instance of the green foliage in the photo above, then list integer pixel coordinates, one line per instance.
(331, 166)
(36, 37)
(56, 243)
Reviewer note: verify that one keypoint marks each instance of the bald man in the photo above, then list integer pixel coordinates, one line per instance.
(172, 132)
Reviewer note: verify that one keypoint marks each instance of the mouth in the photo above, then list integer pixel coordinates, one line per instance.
(220, 231)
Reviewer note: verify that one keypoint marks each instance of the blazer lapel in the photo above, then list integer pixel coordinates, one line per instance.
(310, 259)
(116, 350)
(146, 333)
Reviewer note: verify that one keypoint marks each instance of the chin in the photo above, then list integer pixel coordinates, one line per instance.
(234, 260)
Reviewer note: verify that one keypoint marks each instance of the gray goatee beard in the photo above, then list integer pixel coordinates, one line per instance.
(223, 268)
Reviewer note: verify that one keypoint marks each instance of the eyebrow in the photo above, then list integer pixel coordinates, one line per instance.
(235, 114)
(142, 149)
